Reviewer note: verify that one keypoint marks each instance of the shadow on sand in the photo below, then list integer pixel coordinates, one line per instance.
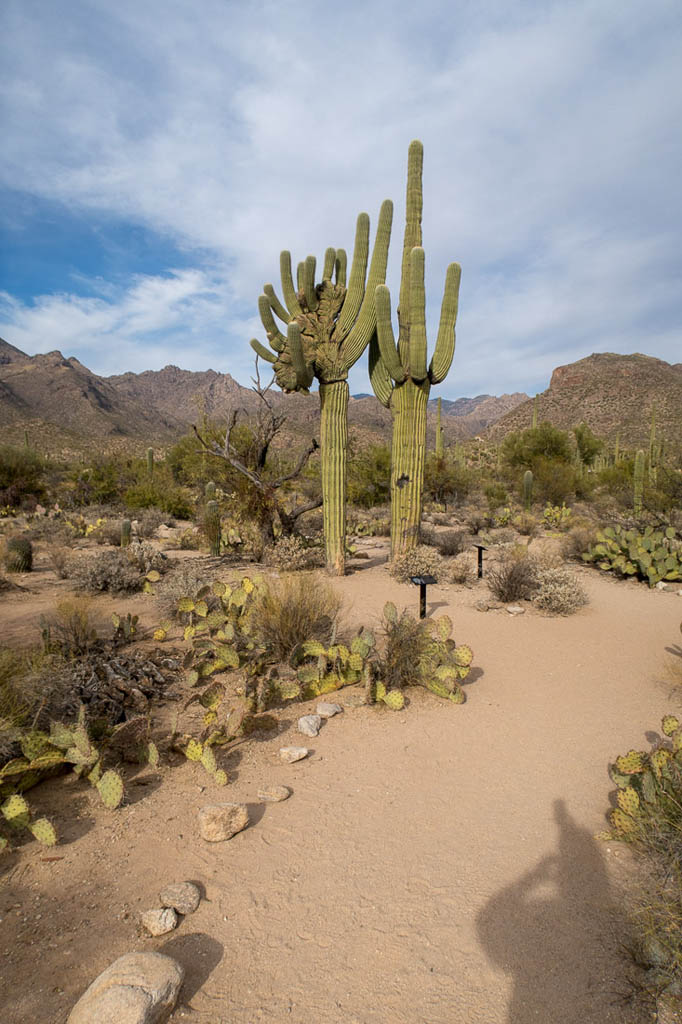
(553, 931)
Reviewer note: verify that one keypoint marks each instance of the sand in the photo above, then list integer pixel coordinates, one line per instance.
(432, 866)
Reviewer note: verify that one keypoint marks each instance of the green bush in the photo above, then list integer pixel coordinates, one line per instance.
(369, 476)
(21, 477)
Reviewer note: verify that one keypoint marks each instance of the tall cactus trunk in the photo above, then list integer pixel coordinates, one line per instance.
(440, 451)
(333, 445)
(408, 406)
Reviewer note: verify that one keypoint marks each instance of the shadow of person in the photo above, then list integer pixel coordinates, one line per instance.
(552, 931)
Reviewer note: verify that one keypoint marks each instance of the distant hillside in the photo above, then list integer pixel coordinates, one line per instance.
(613, 394)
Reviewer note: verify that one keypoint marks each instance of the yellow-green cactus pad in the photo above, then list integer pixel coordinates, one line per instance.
(220, 777)
(16, 812)
(670, 724)
(463, 655)
(631, 763)
(110, 788)
(622, 822)
(659, 760)
(394, 700)
(628, 801)
(194, 750)
(44, 832)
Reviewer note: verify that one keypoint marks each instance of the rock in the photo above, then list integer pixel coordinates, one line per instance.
(274, 794)
(218, 822)
(661, 585)
(184, 897)
(164, 532)
(138, 988)
(158, 922)
(291, 754)
(326, 710)
(309, 725)
(515, 609)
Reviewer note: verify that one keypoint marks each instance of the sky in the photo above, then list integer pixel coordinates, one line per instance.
(158, 156)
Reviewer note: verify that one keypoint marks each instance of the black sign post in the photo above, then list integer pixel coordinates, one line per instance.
(421, 582)
(481, 549)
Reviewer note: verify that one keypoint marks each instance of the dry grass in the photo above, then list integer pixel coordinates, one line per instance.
(292, 610)
(72, 630)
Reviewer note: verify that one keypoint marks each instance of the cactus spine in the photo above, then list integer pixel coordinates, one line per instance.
(399, 374)
(527, 489)
(329, 325)
(212, 526)
(440, 448)
(150, 461)
(125, 533)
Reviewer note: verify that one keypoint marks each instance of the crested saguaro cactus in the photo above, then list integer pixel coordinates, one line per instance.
(400, 376)
(329, 325)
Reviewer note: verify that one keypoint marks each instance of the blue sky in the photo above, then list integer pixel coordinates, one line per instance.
(157, 157)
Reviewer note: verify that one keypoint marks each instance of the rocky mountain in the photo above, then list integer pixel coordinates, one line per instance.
(613, 394)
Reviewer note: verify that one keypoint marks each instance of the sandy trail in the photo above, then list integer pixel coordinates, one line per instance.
(434, 865)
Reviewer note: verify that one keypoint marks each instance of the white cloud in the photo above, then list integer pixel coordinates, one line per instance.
(552, 161)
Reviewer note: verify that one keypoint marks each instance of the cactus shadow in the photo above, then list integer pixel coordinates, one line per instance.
(554, 932)
(474, 675)
(199, 955)
(256, 813)
(140, 786)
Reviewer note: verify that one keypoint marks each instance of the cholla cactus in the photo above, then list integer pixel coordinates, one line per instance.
(329, 325)
(400, 375)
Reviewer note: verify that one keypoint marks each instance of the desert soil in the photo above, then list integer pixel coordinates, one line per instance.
(432, 866)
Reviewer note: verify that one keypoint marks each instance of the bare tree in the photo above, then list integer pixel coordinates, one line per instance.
(265, 427)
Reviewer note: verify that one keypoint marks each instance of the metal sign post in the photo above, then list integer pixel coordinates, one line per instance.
(422, 582)
(481, 549)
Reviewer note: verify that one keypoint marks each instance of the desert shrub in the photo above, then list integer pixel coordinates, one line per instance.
(181, 582)
(445, 480)
(420, 561)
(477, 521)
(554, 481)
(18, 554)
(159, 494)
(289, 611)
(107, 571)
(514, 578)
(524, 449)
(496, 495)
(149, 522)
(369, 476)
(189, 540)
(21, 473)
(108, 532)
(452, 542)
(145, 557)
(290, 554)
(526, 524)
(59, 556)
(559, 591)
(427, 535)
(71, 630)
(461, 570)
(578, 540)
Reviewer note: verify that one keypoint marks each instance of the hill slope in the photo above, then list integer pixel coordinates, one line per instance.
(613, 394)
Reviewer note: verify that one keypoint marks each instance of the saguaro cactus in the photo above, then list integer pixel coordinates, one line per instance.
(329, 325)
(399, 373)
(150, 462)
(638, 482)
(527, 489)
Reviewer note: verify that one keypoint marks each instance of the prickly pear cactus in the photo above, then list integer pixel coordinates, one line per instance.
(110, 789)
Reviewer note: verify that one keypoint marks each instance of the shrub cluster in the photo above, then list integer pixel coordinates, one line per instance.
(559, 591)
(420, 561)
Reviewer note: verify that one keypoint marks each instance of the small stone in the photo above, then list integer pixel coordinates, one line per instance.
(184, 897)
(661, 585)
(218, 822)
(309, 725)
(326, 710)
(515, 609)
(291, 754)
(158, 922)
(274, 794)
(138, 988)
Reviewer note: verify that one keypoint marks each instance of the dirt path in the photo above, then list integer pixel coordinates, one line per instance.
(435, 865)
